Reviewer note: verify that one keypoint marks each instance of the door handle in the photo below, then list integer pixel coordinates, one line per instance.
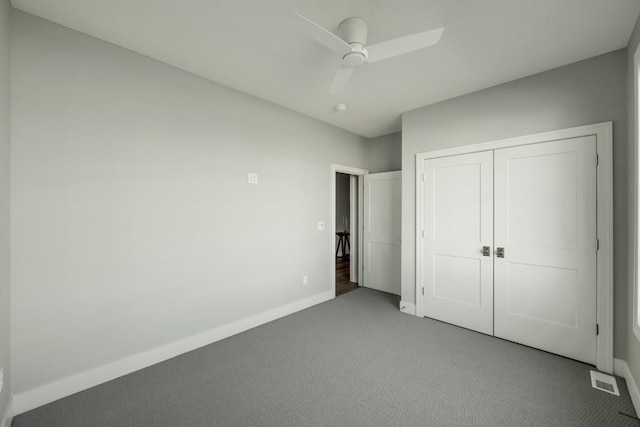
(500, 252)
(486, 251)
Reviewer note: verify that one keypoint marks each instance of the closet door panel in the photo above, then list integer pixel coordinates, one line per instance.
(545, 220)
(458, 222)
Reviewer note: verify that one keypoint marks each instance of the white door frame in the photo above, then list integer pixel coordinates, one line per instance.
(354, 210)
(604, 135)
(356, 252)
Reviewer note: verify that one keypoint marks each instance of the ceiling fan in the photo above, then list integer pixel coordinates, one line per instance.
(351, 44)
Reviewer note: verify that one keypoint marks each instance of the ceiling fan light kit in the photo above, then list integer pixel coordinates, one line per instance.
(351, 44)
(355, 58)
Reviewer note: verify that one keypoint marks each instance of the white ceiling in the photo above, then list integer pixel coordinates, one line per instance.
(245, 44)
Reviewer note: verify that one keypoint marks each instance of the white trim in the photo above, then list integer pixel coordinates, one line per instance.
(353, 220)
(636, 160)
(408, 308)
(555, 135)
(332, 218)
(360, 230)
(8, 415)
(621, 369)
(604, 134)
(604, 341)
(67, 386)
(419, 234)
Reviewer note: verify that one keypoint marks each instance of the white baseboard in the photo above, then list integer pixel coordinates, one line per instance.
(31, 399)
(8, 415)
(408, 308)
(621, 368)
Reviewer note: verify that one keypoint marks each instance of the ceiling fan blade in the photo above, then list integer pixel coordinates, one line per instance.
(340, 80)
(318, 33)
(402, 45)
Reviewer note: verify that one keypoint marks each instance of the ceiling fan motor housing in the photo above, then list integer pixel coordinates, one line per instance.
(355, 58)
(354, 31)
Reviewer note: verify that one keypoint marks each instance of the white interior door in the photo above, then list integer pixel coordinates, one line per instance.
(458, 223)
(382, 232)
(545, 219)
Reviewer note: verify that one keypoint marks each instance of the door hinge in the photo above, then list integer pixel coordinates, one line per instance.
(422, 291)
(597, 160)
(597, 329)
(423, 176)
(597, 244)
(422, 234)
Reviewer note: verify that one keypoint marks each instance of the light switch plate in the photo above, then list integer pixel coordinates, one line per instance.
(252, 178)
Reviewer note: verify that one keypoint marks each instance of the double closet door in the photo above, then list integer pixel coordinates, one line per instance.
(509, 244)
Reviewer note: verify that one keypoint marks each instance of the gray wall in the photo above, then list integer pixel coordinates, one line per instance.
(632, 345)
(4, 200)
(134, 225)
(384, 153)
(585, 92)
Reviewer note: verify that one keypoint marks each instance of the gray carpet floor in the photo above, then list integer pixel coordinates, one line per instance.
(352, 361)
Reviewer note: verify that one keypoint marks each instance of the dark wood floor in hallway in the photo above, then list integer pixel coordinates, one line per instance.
(343, 285)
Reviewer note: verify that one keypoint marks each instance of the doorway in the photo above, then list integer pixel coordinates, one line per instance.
(346, 227)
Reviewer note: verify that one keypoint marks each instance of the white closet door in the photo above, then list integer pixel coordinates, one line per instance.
(382, 231)
(545, 219)
(458, 222)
